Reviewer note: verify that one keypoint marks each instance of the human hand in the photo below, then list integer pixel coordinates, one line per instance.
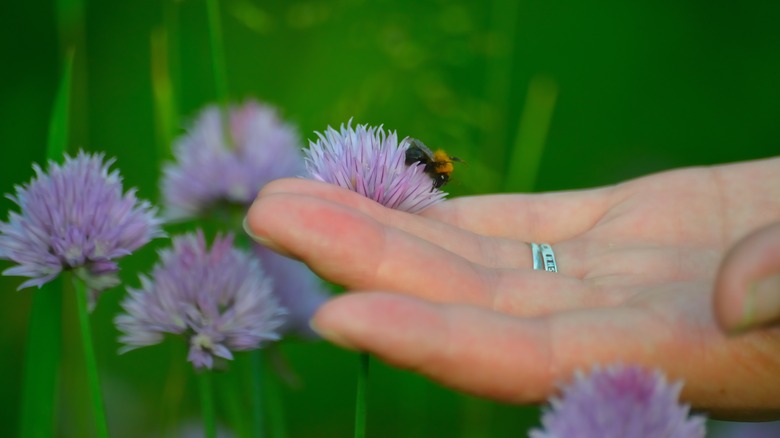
(450, 293)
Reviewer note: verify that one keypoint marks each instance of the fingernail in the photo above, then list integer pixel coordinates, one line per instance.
(762, 304)
(261, 240)
(266, 242)
(332, 337)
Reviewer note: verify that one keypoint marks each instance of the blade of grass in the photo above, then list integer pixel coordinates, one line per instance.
(70, 17)
(98, 408)
(41, 362)
(525, 158)
(42, 355)
(165, 111)
(59, 122)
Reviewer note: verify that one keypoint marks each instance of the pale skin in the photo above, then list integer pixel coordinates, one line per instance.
(652, 271)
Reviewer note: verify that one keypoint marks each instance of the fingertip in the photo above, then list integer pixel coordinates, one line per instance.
(325, 322)
(359, 313)
(376, 322)
(253, 227)
(746, 294)
(331, 336)
(728, 295)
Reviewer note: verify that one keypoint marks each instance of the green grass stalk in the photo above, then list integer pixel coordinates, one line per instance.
(42, 361)
(59, 122)
(98, 407)
(525, 158)
(165, 109)
(44, 350)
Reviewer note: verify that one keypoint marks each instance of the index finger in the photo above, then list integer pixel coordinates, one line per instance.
(546, 217)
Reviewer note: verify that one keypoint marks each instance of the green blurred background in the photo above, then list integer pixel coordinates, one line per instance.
(627, 88)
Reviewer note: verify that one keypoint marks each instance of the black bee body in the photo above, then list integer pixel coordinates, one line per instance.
(438, 165)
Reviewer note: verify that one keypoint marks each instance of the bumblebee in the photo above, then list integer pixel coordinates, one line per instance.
(438, 165)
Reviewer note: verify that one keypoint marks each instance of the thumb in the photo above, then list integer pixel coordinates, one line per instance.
(747, 287)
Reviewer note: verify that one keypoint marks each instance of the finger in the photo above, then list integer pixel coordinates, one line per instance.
(490, 252)
(550, 217)
(520, 360)
(747, 288)
(352, 249)
(347, 247)
(443, 342)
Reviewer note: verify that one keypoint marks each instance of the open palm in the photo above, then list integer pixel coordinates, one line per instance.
(451, 294)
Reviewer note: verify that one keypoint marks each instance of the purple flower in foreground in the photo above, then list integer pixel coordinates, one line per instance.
(620, 401)
(372, 163)
(209, 173)
(219, 300)
(75, 217)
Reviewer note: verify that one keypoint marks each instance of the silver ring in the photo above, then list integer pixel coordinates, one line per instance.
(543, 257)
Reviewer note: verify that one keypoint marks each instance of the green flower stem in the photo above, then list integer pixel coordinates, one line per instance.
(361, 397)
(256, 369)
(207, 403)
(231, 386)
(41, 361)
(98, 408)
(173, 389)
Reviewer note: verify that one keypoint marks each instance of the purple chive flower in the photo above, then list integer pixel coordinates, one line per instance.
(372, 163)
(220, 300)
(620, 401)
(210, 173)
(75, 217)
